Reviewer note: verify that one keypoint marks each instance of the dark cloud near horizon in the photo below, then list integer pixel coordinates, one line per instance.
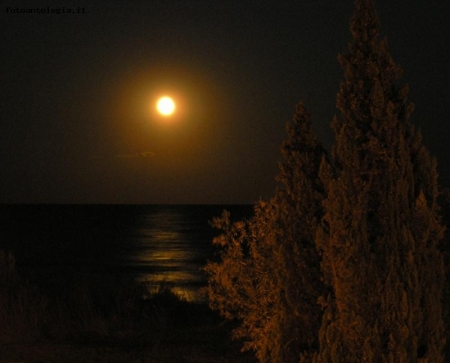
(138, 155)
(142, 155)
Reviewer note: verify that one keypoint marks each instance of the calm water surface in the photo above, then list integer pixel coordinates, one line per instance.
(157, 243)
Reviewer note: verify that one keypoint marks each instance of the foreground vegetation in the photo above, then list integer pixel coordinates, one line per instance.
(88, 319)
(346, 262)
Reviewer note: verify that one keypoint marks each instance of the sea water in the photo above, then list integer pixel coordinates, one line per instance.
(158, 244)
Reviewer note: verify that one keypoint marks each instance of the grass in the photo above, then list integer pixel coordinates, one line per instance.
(104, 319)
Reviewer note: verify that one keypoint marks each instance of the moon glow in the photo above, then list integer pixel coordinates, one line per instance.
(165, 106)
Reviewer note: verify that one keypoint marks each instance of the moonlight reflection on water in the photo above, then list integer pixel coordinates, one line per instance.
(171, 246)
(161, 245)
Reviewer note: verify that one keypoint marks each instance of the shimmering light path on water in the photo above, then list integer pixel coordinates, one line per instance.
(160, 244)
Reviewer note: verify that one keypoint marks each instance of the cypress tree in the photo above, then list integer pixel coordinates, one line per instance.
(269, 274)
(299, 205)
(381, 228)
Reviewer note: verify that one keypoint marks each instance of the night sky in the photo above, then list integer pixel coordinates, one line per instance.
(78, 93)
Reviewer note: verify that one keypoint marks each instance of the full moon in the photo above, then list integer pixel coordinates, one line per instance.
(165, 106)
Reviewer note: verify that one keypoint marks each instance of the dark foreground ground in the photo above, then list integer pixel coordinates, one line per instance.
(93, 320)
(201, 342)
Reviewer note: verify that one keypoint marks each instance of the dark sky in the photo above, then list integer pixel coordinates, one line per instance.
(78, 92)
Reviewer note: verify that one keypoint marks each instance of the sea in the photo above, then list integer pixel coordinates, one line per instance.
(161, 245)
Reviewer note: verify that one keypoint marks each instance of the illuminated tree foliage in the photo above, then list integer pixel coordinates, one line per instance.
(269, 276)
(381, 228)
(343, 263)
(444, 204)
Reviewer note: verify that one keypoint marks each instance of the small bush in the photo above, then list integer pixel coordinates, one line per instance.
(22, 307)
